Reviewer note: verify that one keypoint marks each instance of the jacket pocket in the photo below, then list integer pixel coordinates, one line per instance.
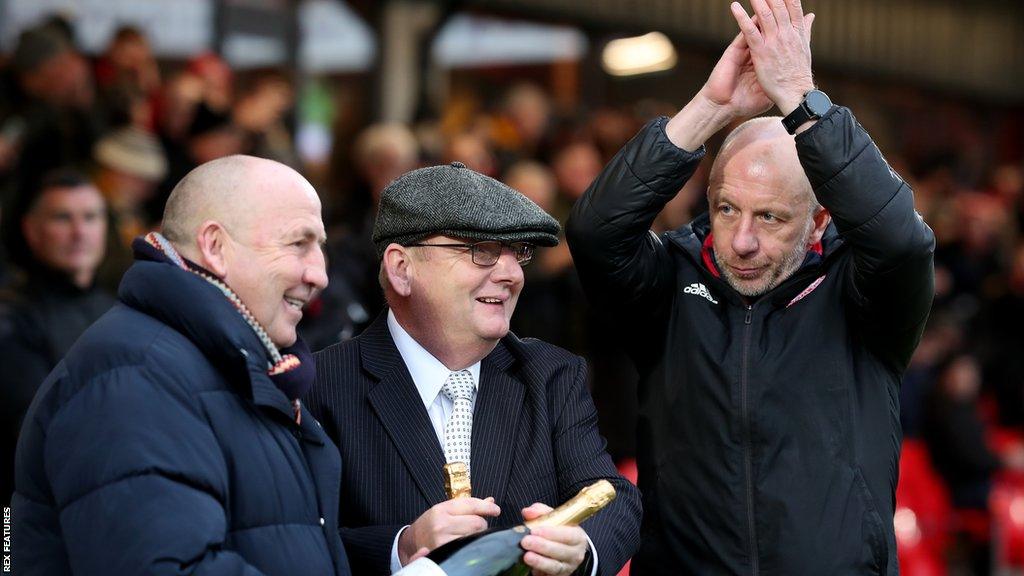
(876, 550)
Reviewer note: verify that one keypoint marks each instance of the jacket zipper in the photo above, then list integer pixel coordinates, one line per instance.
(747, 448)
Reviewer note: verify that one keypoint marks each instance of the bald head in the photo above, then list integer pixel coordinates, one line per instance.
(235, 191)
(758, 147)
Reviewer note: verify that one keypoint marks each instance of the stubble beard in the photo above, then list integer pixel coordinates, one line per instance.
(777, 274)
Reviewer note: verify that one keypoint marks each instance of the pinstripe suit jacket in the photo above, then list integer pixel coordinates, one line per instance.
(535, 439)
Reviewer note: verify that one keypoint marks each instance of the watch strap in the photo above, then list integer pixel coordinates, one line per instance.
(797, 117)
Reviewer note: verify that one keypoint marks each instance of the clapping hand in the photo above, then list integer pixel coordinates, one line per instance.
(778, 43)
(768, 62)
(733, 86)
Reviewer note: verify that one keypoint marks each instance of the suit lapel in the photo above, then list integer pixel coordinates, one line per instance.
(495, 419)
(400, 410)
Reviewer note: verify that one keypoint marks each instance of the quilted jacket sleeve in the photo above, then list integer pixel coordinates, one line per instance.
(891, 281)
(624, 268)
(138, 481)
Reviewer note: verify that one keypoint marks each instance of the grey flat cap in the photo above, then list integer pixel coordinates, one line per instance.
(456, 201)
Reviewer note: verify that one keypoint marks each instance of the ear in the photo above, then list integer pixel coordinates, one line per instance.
(399, 269)
(212, 244)
(821, 219)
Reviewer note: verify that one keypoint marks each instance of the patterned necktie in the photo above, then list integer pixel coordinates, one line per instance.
(459, 429)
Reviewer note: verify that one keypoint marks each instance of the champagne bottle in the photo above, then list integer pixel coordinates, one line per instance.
(497, 552)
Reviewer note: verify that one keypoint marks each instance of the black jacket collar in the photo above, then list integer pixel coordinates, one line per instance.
(690, 240)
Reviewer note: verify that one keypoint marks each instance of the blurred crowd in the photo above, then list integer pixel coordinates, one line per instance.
(90, 147)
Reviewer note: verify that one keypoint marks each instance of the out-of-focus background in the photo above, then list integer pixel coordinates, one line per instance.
(106, 104)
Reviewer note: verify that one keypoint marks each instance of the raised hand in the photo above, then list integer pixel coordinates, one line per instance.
(767, 62)
(778, 40)
(733, 86)
(732, 92)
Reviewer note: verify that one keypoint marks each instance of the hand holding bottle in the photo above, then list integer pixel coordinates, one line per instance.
(445, 522)
(553, 550)
(501, 551)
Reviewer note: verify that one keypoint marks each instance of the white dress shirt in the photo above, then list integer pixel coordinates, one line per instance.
(429, 375)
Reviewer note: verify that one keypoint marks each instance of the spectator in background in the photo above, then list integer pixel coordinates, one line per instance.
(261, 112)
(212, 135)
(130, 163)
(176, 106)
(1002, 338)
(578, 327)
(576, 165)
(955, 433)
(535, 181)
(382, 152)
(611, 129)
(128, 61)
(174, 109)
(974, 255)
(546, 307)
(1008, 186)
(252, 124)
(956, 439)
(522, 128)
(941, 337)
(473, 151)
(216, 81)
(58, 237)
(61, 25)
(57, 108)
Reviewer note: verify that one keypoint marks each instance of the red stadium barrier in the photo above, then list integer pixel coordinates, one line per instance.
(1007, 507)
(923, 514)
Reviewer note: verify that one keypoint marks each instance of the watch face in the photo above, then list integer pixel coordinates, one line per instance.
(817, 102)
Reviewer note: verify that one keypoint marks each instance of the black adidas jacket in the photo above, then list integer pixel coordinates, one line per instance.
(769, 433)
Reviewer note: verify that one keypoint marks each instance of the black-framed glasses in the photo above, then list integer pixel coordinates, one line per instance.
(487, 252)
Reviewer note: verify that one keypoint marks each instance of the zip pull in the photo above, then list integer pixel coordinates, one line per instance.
(749, 312)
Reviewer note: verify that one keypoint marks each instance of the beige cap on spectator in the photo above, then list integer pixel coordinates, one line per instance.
(134, 152)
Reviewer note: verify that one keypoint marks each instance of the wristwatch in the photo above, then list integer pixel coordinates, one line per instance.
(814, 106)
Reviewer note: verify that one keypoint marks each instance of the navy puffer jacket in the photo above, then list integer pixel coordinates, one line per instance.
(160, 446)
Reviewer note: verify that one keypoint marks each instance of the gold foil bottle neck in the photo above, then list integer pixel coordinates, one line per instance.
(456, 480)
(588, 502)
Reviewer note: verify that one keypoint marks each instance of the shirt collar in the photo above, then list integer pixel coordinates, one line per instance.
(428, 373)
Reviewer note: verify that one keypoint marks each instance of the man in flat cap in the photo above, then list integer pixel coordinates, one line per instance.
(439, 378)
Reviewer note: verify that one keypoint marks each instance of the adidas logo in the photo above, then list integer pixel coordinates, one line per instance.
(699, 289)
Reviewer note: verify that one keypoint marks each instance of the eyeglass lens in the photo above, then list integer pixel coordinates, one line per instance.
(487, 253)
